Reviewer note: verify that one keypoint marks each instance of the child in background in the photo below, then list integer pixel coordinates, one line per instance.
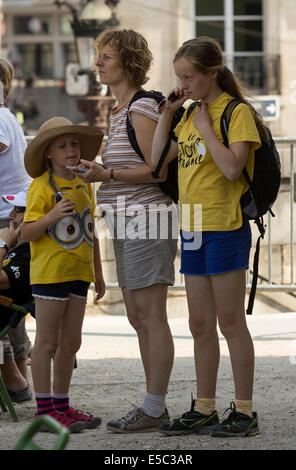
(65, 259)
(13, 176)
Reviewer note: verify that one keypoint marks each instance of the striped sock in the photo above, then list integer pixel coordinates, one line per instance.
(61, 401)
(205, 406)
(244, 406)
(44, 403)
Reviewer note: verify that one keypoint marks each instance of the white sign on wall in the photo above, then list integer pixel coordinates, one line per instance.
(268, 107)
(76, 85)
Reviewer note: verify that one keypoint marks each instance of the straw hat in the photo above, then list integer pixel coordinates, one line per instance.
(90, 139)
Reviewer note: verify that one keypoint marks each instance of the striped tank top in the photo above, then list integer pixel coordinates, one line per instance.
(119, 154)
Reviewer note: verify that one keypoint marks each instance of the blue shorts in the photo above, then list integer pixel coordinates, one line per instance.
(215, 252)
(61, 290)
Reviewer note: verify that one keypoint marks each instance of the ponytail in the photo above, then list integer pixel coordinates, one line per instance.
(232, 85)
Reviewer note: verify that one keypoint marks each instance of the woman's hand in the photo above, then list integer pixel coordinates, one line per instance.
(63, 208)
(100, 286)
(201, 119)
(95, 172)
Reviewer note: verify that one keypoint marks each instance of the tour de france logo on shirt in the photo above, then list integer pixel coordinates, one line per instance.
(191, 152)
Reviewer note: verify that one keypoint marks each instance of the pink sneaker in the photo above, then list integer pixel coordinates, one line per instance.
(71, 424)
(89, 421)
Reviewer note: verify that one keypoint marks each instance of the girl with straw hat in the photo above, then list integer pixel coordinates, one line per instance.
(65, 259)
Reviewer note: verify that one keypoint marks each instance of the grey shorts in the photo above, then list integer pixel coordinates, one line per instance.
(148, 259)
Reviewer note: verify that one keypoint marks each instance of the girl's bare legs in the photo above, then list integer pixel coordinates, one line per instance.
(202, 323)
(69, 343)
(147, 314)
(221, 296)
(49, 314)
(59, 325)
(229, 291)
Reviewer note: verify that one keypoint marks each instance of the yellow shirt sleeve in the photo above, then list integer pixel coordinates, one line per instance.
(37, 204)
(242, 127)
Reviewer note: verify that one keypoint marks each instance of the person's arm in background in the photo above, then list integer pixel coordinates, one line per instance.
(9, 236)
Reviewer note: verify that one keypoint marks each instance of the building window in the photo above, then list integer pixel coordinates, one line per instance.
(247, 7)
(32, 25)
(65, 24)
(214, 29)
(69, 53)
(248, 36)
(209, 7)
(238, 25)
(35, 59)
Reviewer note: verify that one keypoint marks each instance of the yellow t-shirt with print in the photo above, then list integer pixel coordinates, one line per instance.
(205, 193)
(64, 252)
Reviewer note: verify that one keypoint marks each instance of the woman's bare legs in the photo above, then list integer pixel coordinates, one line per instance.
(147, 314)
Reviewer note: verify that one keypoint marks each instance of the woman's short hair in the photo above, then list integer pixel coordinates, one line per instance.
(6, 78)
(134, 53)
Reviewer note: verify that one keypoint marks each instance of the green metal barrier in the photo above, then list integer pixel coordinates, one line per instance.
(26, 440)
(5, 400)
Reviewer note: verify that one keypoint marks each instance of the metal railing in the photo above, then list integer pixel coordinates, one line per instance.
(266, 282)
(285, 148)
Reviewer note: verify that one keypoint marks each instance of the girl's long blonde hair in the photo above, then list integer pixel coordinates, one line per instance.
(206, 56)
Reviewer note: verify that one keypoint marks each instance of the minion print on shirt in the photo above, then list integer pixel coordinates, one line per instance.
(71, 231)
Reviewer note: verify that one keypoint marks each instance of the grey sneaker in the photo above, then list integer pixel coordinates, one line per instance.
(137, 421)
(21, 395)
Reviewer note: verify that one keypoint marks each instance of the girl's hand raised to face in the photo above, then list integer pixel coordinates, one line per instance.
(201, 119)
(62, 209)
(173, 101)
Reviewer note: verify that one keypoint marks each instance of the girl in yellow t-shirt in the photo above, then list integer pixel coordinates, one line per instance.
(65, 259)
(215, 237)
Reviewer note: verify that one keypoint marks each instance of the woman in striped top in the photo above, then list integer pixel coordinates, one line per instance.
(144, 259)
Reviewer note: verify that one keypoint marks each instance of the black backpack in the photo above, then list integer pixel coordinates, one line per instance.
(170, 186)
(263, 188)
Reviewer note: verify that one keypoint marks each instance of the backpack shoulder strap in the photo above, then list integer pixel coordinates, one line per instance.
(225, 119)
(190, 110)
(130, 130)
(261, 227)
(224, 126)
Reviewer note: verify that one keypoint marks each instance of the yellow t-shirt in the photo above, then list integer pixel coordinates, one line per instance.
(203, 188)
(64, 252)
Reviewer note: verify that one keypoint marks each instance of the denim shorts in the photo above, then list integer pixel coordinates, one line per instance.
(215, 252)
(61, 290)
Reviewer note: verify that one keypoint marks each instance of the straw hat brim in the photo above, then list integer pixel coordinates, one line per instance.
(90, 139)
